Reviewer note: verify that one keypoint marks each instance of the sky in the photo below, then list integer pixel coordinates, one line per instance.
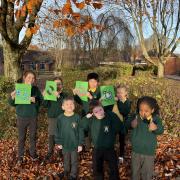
(96, 13)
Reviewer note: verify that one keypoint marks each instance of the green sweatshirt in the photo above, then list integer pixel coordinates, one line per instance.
(54, 107)
(68, 132)
(145, 141)
(85, 105)
(103, 131)
(28, 110)
(124, 107)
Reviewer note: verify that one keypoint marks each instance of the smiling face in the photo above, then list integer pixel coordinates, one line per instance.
(68, 106)
(121, 93)
(93, 83)
(98, 112)
(145, 110)
(29, 78)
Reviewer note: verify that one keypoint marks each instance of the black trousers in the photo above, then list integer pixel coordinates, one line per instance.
(23, 124)
(101, 155)
(122, 144)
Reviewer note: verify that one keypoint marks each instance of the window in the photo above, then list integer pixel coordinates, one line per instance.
(42, 66)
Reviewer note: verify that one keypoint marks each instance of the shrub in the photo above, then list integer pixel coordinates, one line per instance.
(167, 93)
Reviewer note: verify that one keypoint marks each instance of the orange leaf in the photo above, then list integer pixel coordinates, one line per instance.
(80, 5)
(18, 14)
(76, 16)
(88, 25)
(56, 24)
(66, 22)
(67, 8)
(23, 10)
(70, 31)
(97, 5)
(28, 32)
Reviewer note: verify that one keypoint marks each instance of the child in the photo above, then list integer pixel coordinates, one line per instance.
(103, 128)
(69, 138)
(54, 110)
(27, 116)
(145, 128)
(123, 108)
(93, 93)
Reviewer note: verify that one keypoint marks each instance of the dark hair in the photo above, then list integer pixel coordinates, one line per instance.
(94, 103)
(25, 73)
(93, 75)
(57, 78)
(151, 102)
(68, 98)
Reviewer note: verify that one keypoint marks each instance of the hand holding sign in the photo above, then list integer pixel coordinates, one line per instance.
(107, 95)
(23, 94)
(51, 88)
(81, 90)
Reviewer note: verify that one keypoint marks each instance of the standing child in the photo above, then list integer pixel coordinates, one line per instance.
(103, 128)
(123, 108)
(27, 116)
(145, 128)
(69, 138)
(93, 94)
(54, 110)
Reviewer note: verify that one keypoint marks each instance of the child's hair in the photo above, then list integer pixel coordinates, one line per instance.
(68, 98)
(94, 103)
(93, 75)
(57, 78)
(151, 102)
(121, 86)
(25, 73)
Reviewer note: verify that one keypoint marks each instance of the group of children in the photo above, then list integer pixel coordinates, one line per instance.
(97, 126)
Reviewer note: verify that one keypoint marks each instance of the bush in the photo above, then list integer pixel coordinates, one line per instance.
(167, 93)
(6, 86)
(124, 69)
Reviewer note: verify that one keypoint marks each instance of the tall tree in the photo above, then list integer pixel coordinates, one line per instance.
(14, 16)
(163, 19)
(17, 15)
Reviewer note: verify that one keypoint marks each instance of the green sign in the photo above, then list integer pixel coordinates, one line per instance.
(51, 87)
(82, 88)
(107, 95)
(23, 94)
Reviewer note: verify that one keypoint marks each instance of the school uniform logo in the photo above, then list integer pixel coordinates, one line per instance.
(74, 125)
(106, 129)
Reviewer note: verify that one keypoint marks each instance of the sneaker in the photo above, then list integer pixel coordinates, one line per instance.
(121, 160)
(62, 175)
(72, 178)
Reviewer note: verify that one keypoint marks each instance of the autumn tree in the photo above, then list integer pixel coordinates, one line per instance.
(14, 16)
(163, 19)
(17, 15)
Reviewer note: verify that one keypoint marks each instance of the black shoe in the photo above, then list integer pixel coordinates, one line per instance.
(62, 175)
(72, 178)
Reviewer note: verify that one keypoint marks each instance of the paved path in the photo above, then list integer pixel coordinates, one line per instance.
(175, 77)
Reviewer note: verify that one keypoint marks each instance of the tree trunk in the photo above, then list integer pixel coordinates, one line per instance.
(160, 69)
(12, 57)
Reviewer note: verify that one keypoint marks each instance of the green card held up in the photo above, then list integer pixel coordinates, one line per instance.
(23, 93)
(82, 87)
(51, 87)
(107, 95)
